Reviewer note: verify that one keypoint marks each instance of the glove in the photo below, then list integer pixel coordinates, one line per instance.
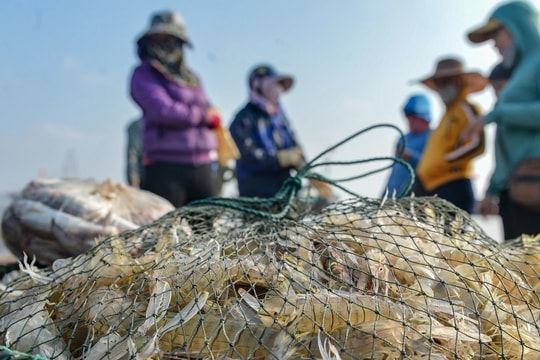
(293, 157)
(323, 188)
(213, 118)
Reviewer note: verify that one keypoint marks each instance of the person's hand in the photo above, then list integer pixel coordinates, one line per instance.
(213, 118)
(322, 187)
(488, 206)
(293, 157)
(475, 128)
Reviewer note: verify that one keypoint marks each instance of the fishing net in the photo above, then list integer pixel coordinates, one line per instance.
(409, 278)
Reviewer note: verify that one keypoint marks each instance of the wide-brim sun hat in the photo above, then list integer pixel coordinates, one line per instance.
(166, 23)
(485, 31)
(265, 70)
(449, 67)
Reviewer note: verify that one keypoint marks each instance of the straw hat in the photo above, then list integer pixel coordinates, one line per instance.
(450, 67)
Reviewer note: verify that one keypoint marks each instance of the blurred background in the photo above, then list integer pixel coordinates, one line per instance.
(65, 68)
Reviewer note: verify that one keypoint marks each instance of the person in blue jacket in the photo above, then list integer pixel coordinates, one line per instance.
(513, 30)
(268, 147)
(417, 110)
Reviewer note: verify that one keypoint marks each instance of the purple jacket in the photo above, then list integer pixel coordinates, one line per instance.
(174, 128)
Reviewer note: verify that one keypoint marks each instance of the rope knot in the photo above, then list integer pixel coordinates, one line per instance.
(293, 182)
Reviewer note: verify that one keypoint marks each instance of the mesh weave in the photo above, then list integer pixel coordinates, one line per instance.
(412, 278)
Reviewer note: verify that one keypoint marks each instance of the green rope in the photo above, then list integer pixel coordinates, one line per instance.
(284, 198)
(8, 354)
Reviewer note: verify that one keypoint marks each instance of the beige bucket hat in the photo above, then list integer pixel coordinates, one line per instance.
(169, 23)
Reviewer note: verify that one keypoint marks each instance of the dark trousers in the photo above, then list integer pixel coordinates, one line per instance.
(180, 183)
(459, 192)
(516, 218)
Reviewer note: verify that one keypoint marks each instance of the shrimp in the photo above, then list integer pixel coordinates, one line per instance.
(140, 343)
(328, 311)
(234, 332)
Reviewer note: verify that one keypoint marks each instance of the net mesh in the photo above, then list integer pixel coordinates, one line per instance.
(412, 278)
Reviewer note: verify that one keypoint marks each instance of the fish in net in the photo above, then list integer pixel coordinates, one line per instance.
(53, 218)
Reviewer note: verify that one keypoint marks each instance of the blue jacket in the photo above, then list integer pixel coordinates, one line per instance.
(517, 111)
(417, 105)
(400, 177)
(258, 141)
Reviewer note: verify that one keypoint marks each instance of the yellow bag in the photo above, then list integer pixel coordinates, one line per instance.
(226, 149)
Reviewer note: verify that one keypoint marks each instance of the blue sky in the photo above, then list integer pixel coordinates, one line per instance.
(65, 68)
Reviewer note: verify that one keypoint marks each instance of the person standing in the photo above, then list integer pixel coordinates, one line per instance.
(445, 168)
(134, 157)
(498, 77)
(417, 110)
(179, 142)
(513, 30)
(268, 146)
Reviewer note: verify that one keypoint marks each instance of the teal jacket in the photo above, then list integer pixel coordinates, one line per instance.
(517, 111)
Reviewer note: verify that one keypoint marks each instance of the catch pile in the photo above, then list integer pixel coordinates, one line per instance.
(413, 278)
(57, 218)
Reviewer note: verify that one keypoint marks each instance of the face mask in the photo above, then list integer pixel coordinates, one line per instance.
(509, 55)
(168, 50)
(448, 93)
(271, 90)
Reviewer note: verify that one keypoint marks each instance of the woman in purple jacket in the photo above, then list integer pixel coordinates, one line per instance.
(179, 143)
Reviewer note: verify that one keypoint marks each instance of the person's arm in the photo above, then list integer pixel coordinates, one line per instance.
(522, 114)
(292, 134)
(148, 92)
(517, 114)
(467, 149)
(298, 157)
(415, 148)
(243, 130)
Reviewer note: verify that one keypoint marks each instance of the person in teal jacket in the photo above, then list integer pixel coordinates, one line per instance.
(513, 29)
